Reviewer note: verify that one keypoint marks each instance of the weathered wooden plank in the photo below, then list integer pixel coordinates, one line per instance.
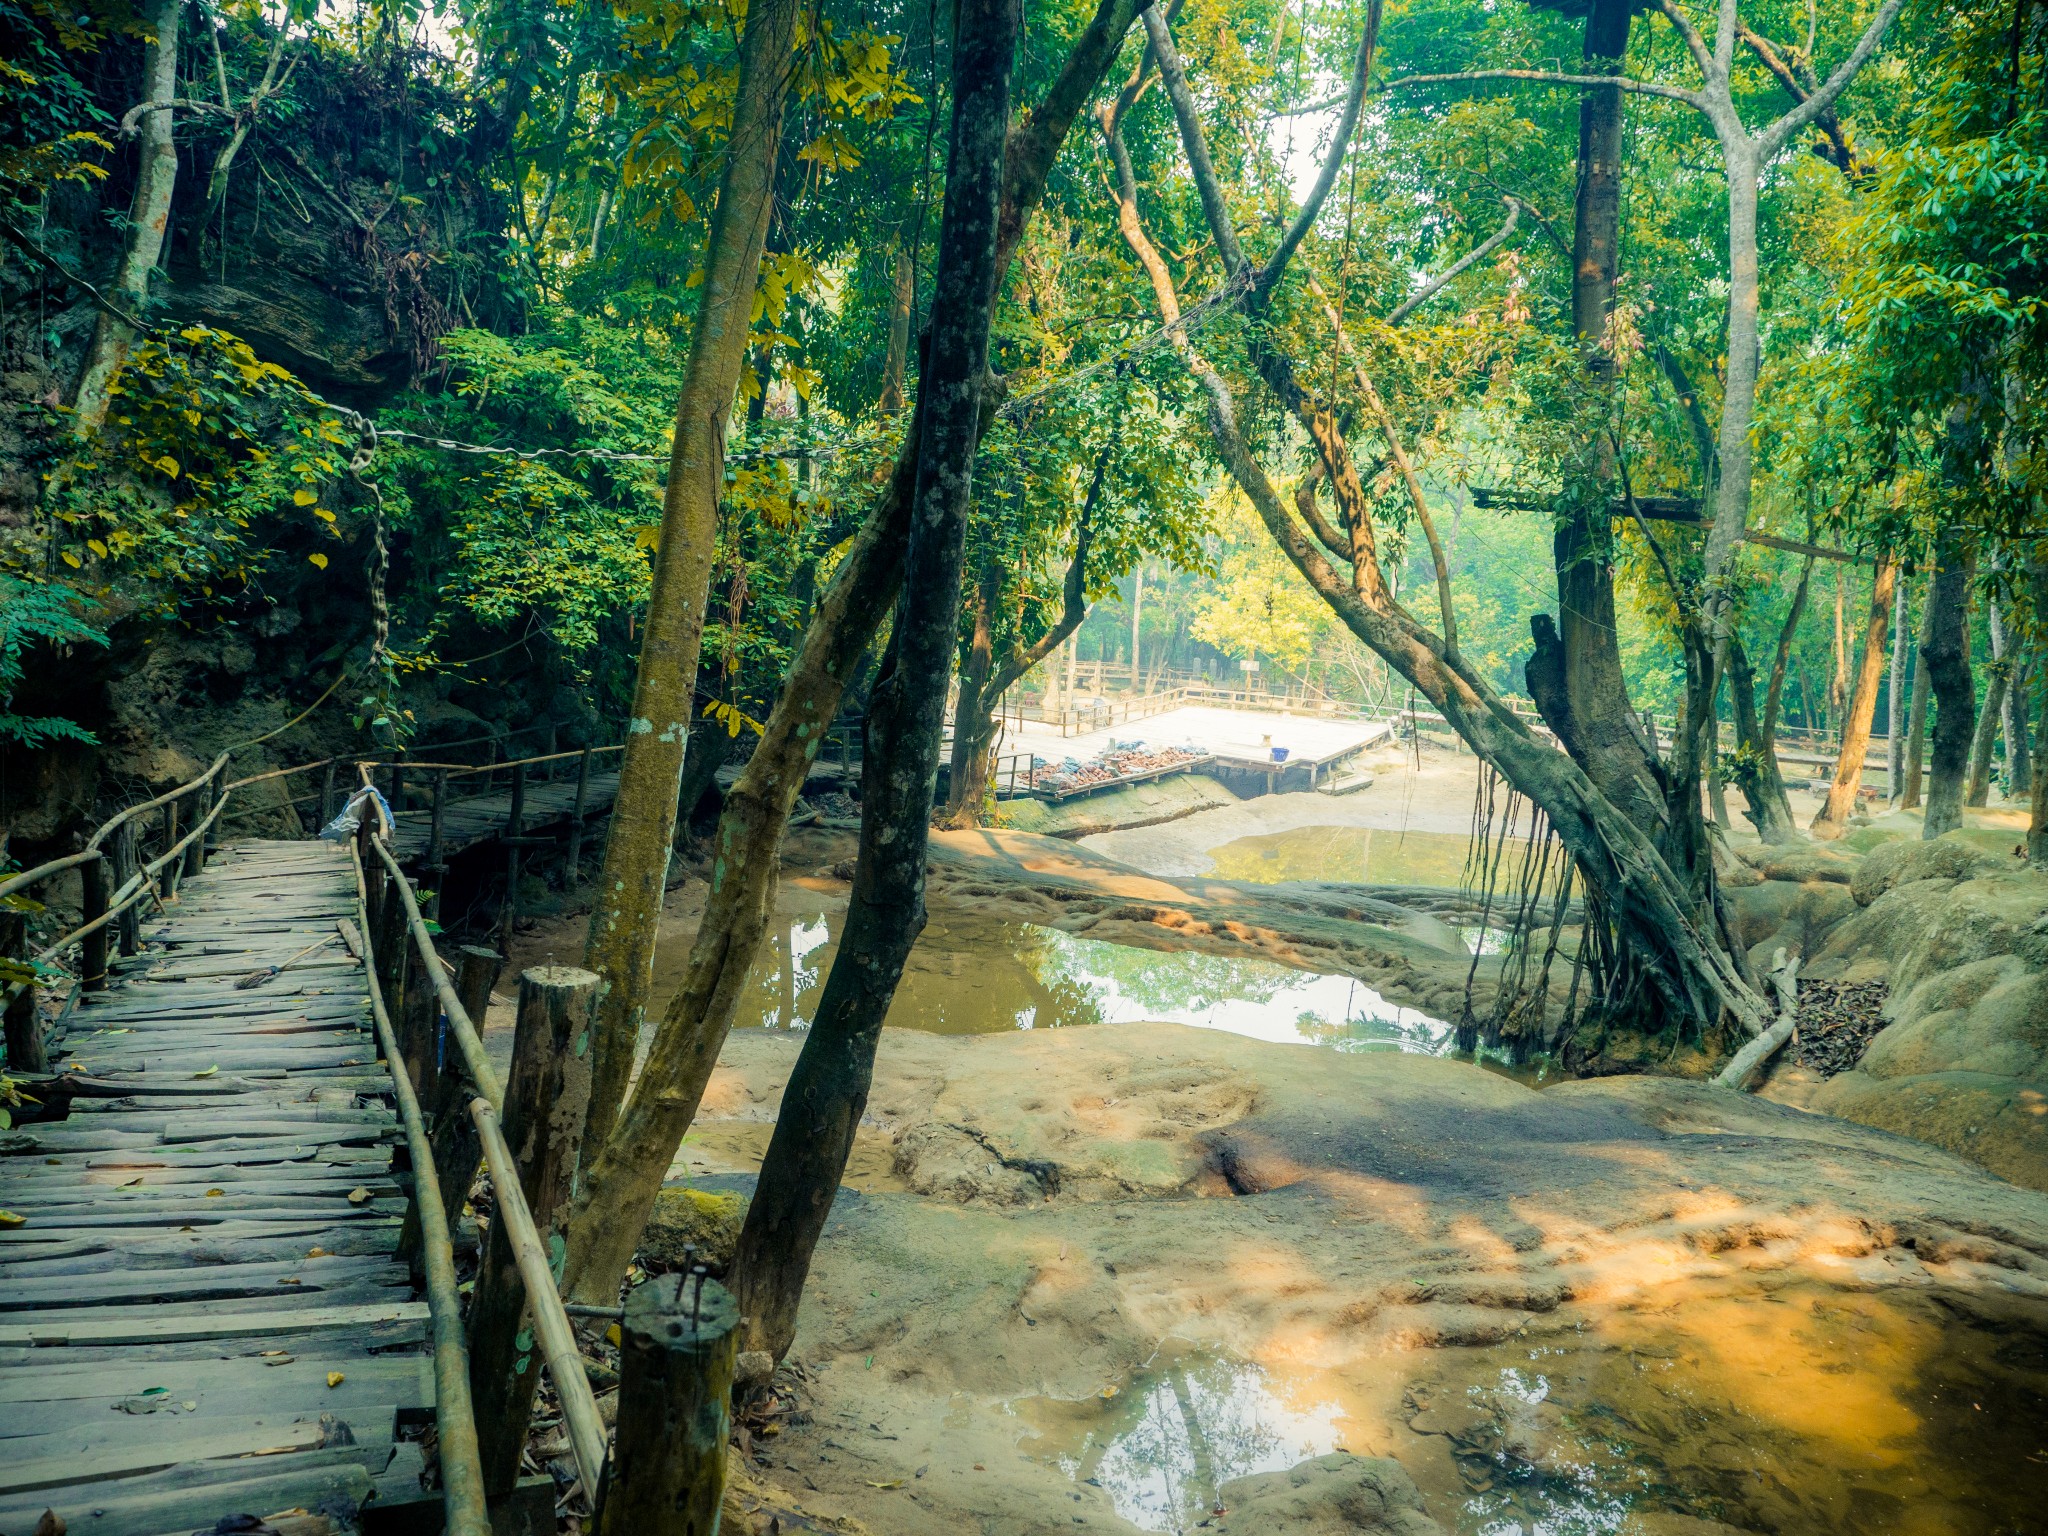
(197, 1493)
(77, 1456)
(89, 1327)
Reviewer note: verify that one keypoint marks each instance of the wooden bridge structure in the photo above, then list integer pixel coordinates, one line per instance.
(240, 1123)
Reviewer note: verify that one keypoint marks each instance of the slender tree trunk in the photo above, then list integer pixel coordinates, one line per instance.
(627, 917)
(902, 301)
(618, 1186)
(149, 214)
(828, 1089)
(1838, 685)
(974, 726)
(1978, 792)
(1756, 758)
(1916, 720)
(1589, 706)
(1945, 648)
(1861, 708)
(1895, 724)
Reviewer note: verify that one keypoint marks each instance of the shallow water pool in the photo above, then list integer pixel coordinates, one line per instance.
(972, 975)
(1798, 1409)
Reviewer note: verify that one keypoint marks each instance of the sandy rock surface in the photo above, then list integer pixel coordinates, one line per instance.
(1384, 1233)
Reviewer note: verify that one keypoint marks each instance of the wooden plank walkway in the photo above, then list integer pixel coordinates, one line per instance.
(202, 1313)
(474, 819)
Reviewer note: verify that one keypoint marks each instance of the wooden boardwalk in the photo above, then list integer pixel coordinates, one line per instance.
(475, 819)
(201, 1311)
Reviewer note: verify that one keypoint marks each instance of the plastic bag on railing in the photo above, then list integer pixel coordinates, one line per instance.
(350, 820)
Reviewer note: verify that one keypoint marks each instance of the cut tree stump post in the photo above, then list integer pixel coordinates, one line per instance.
(92, 959)
(25, 1051)
(195, 856)
(667, 1467)
(547, 1095)
(453, 1132)
(128, 923)
(393, 940)
(327, 795)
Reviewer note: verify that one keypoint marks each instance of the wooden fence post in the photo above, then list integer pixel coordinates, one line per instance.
(397, 797)
(456, 1148)
(195, 856)
(437, 863)
(515, 828)
(667, 1467)
(92, 959)
(546, 1097)
(394, 942)
(129, 923)
(25, 1051)
(174, 871)
(575, 853)
(327, 806)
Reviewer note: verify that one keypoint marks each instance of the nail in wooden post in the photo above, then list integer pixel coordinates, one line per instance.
(452, 1130)
(25, 1051)
(546, 1097)
(173, 872)
(575, 854)
(667, 1467)
(129, 923)
(92, 960)
(515, 828)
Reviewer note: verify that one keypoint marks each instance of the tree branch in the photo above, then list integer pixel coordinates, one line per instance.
(1214, 205)
(1551, 77)
(1462, 264)
(1347, 122)
(1774, 137)
(1838, 151)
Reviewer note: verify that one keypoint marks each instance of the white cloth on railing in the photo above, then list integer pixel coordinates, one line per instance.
(350, 820)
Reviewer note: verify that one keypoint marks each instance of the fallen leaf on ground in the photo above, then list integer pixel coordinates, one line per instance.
(335, 1378)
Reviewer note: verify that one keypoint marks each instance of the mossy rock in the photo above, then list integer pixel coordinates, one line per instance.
(692, 1218)
(1905, 862)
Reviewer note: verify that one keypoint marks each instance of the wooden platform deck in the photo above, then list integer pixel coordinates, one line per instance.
(201, 1311)
(475, 819)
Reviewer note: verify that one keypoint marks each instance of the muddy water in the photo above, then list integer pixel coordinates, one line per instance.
(1353, 854)
(1796, 1410)
(971, 974)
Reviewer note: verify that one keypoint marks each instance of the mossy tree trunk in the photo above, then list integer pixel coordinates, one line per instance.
(627, 916)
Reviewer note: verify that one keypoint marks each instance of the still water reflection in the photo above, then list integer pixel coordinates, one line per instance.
(971, 974)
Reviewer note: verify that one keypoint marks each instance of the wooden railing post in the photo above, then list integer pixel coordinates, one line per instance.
(456, 1149)
(92, 958)
(173, 872)
(678, 1346)
(397, 795)
(394, 942)
(202, 802)
(128, 923)
(575, 853)
(25, 1051)
(327, 807)
(546, 1096)
(437, 863)
(515, 829)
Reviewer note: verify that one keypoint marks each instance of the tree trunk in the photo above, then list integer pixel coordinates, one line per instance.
(1945, 648)
(1838, 685)
(1862, 706)
(627, 917)
(1665, 925)
(974, 726)
(1978, 790)
(2009, 642)
(902, 301)
(1895, 723)
(149, 214)
(1754, 764)
(827, 1091)
(1916, 721)
(618, 1185)
(1589, 707)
